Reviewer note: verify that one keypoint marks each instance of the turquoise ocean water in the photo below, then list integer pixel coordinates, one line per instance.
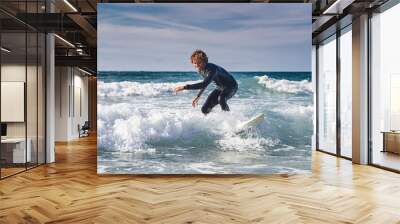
(143, 127)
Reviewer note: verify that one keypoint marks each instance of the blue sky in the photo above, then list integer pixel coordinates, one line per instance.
(239, 37)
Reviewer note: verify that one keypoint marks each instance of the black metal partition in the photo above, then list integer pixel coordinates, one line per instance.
(23, 89)
(332, 34)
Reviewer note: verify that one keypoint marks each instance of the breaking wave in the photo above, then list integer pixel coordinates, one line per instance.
(284, 85)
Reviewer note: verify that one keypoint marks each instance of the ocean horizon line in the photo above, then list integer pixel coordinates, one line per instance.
(196, 71)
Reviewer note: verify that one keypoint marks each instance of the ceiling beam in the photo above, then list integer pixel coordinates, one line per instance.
(86, 27)
(337, 6)
(81, 61)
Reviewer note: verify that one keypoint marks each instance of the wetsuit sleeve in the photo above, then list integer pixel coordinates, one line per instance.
(202, 85)
(200, 92)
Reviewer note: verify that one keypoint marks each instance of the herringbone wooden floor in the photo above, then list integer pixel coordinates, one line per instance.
(70, 191)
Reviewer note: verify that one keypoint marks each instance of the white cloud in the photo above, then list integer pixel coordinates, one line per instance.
(260, 40)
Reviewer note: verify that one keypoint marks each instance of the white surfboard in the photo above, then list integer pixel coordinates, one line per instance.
(252, 122)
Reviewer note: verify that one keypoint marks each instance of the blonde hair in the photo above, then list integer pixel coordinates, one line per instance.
(199, 55)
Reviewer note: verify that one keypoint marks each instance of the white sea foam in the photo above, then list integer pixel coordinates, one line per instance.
(252, 142)
(204, 168)
(128, 88)
(126, 128)
(285, 86)
(295, 110)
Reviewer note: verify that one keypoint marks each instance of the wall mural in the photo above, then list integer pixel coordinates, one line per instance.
(204, 88)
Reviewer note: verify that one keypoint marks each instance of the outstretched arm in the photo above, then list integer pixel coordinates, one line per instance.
(200, 85)
(203, 84)
(179, 88)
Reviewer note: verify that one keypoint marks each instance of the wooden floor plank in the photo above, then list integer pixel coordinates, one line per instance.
(70, 191)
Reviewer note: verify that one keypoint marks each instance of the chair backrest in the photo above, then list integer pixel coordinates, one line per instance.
(86, 125)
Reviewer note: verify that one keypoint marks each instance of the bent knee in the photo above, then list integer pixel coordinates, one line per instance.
(205, 110)
(225, 107)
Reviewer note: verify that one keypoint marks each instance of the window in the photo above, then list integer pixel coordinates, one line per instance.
(385, 88)
(346, 92)
(327, 95)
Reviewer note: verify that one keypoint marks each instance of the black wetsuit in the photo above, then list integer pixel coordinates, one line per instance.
(226, 87)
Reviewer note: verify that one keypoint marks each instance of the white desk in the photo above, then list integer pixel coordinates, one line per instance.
(18, 149)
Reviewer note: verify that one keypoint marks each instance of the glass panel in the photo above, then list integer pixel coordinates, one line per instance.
(31, 97)
(41, 98)
(385, 83)
(22, 88)
(13, 86)
(31, 86)
(346, 92)
(327, 95)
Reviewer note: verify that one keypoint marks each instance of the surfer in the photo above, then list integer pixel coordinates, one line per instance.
(226, 84)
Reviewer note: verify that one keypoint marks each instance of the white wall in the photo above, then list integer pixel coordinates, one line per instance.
(13, 72)
(81, 81)
(70, 83)
(33, 126)
(62, 81)
(17, 73)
